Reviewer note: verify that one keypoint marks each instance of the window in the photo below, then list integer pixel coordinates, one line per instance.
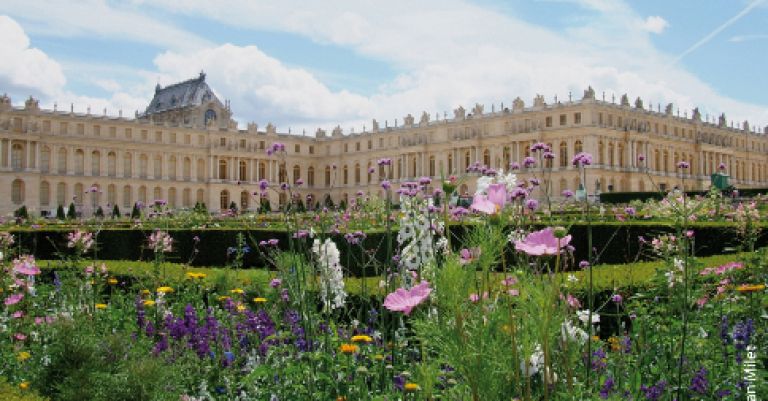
(210, 117)
(563, 119)
(79, 161)
(62, 161)
(370, 144)
(224, 200)
(45, 193)
(311, 177)
(357, 146)
(143, 166)
(262, 170)
(297, 148)
(127, 196)
(144, 135)
(157, 170)
(200, 196)
(61, 193)
(563, 154)
(296, 173)
(63, 128)
(577, 118)
(17, 156)
(80, 129)
(222, 141)
(242, 144)
(346, 148)
(187, 169)
(96, 130)
(186, 197)
(548, 122)
(112, 132)
(243, 170)
(17, 192)
(127, 165)
(222, 169)
(187, 139)
(45, 159)
(172, 168)
(128, 133)
(111, 164)
(112, 194)
(311, 150)
(95, 163)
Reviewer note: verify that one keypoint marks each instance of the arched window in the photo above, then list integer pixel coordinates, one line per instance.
(143, 194)
(296, 173)
(112, 194)
(17, 156)
(200, 197)
(61, 194)
(200, 170)
(282, 174)
(311, 177)
(112, 164)
(143, 166)
(45, 193)
(262, 170)
(224, 200)
(467, 159)
(222, 169)
(506, 157)
(370, 173)
(127, 165)
(79, 162)
(157, 194)
(243, 170)
(45, 159)
(17, 192)
(487, 158)
(61, 161)
(210, 116)
(172, 168)
(600, 153)
(157, 162)
(666, 161)
(187, 169)
(327, 176)
(79, 194)
(620, 149)
(186, 197)
(357, 173)
(578, 147)
(95, 163)
(450, 163)
(563, 154)
(346, 175)
(127, 196)
(171, 197)
(432, 166)
(245, 197)
(611, 161)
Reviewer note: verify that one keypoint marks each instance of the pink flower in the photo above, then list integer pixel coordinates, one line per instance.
(18, 314)
(14, 299)
(20, 336)
(474, 297)
(509, 281)
(513, 292)
(403, 300)
(573, 302)
(481, 203)
(468, 255)
(26, 265)
(701, 302)
(542, 242)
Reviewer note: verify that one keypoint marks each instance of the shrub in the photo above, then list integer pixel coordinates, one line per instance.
(115, 212)
(60, 215)
(71, 212)
(9, 392)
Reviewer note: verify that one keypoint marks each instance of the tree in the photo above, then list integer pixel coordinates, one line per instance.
(60, 213)
(264, 205)
(21, 213)
(99, 213)
(233, 206)
(343, 205)
(115, 212)
(71, 212)
(135, 212)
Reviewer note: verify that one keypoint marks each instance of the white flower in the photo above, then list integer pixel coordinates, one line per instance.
(534, 363)
(573, 333)
(482, 184)
(572, 278)
(331, 274)
(509, 180)
(583, 315)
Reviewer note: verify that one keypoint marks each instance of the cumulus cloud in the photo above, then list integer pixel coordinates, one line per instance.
(25, 69)
(655, 24)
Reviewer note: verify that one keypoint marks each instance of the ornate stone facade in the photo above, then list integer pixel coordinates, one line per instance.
(186, 149)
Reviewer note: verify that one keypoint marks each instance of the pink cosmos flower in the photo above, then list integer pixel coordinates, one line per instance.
(511, 280)
(18, 314)
(468, 255)
(513, 292)
(26, 265)
(542, 242)
(701, 302)
(14, 299)
(573, 302)
(403, 300)
(493, 202)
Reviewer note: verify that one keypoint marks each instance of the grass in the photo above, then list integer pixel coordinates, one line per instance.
(605, 277)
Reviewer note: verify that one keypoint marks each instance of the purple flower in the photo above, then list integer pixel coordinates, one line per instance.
(567, 193)
(535, 182)
(599, 360)
(617, 298)
(607, 388)
(532, 204)
(641, 158)
(263, 185)
(299, 182)
(276, 282)
(548, 155)
(683, 165)
(529, 162)
(542, 242)
(386, 185)
(514, 166)
(582, 159)
(539, 146)
(384, 162)
(654, 393)
(699, 383)
(583, 264)
(371, 170)
(721, 166)
(630, 211)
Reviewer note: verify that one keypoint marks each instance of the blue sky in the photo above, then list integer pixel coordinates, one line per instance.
(317, 64)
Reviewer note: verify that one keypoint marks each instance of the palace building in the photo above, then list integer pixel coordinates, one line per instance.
(185, 148)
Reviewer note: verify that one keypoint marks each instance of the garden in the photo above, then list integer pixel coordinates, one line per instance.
(521, 295)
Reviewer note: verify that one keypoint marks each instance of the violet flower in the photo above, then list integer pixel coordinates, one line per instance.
(542, 242)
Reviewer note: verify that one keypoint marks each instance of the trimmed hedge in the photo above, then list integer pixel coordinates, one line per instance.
(614, 243)
(626, 197)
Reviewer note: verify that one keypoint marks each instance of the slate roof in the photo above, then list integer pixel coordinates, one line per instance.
(189, 93)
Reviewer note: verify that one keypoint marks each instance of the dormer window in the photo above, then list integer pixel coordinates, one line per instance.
(210, 115)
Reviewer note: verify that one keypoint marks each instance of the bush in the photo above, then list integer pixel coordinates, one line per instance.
(9, 392)
(115, 212)
(71, 212)
(99, 213)
(135, 212)
(60, 215)
(21, 213)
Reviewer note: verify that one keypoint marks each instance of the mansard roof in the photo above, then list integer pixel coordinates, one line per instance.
(190, 93)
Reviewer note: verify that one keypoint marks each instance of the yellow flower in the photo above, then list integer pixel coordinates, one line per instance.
(411, 387)
(348, 349)
(23, 356)
(260, 300)
(595, 338)
(241, 308)
(112, 281)
(165, 290)
(223, 298)
(750, 288)
(194, 275)
(101, 306)
(362, 339)
(614, 341)
(144, 292)
(378, 357)
(149, 302)
(237, 291)
(24, 385)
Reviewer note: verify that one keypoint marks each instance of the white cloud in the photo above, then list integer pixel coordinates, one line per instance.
(108, 84)
(655, 24)
(99, 19)
(25, 69)
(745, 38)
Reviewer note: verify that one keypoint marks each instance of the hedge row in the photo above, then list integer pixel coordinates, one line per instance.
(613, 243)
(626, 197)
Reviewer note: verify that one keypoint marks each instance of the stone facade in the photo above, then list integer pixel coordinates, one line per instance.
(193, 152)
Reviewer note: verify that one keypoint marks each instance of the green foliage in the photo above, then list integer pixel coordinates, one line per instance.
(264, 205)
(99, 213)
(9, 392)
(60, 213)
(233, 206)
(71, 211)
(21, 213)
(135, 212)
(115, 212)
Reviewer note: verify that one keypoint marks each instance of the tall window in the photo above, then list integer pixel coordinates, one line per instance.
(157, 163)
(45, 159)
(346, 175)
(187, 169)
(17, 192)
(243, 170)
(296, 173)
(357, 172)
(61, 194)
(222, 169)
(17, 156)
(327, 176)
(127, 165)
(143, 166)
(171, 197)
(62, 161)
(172, 167)
(224, 200)
(95, 163)
(127, 196)
(563, 154)
(112, 164)
(262, 170)
(79, 162)
(45, 193)
(311, 176)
